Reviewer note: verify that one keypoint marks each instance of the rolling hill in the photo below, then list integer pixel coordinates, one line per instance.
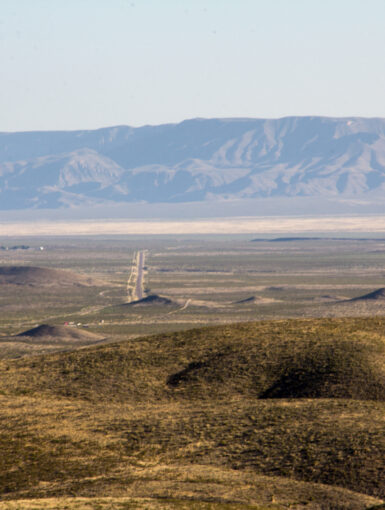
(275, 414)
(376, 295)
(196, 160)
(45, 339)
(59, 334)
(41, 276)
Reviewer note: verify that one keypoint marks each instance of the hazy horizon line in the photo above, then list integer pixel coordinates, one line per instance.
(190, 119)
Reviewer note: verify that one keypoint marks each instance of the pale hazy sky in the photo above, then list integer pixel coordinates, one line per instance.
(76, 64)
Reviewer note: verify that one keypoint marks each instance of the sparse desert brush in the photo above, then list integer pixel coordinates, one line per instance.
(341, 358)
(301, 399)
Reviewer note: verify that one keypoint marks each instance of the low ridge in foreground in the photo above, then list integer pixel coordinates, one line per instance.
(274, 414)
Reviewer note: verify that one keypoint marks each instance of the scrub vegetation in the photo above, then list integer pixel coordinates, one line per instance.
(203, 415)
(270, 414)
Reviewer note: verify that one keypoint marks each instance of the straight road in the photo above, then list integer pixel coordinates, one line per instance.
(136, 279)
(139, 276)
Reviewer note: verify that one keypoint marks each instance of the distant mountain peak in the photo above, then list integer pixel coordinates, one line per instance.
(195, 160)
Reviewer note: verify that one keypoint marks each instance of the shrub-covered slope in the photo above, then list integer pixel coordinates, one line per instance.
(302, 400)
(342, 358)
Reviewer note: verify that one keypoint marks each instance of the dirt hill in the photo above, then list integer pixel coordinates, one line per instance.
(255, 300)
(60, 334)
(376, 295)
(46, 339)
(37, 276)
(153, 300)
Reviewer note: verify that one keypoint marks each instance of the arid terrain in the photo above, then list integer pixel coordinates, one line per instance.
(184, 281)
(116, 394)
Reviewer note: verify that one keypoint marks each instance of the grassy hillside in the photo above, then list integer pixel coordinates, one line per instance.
(257, 413)
(335, 358)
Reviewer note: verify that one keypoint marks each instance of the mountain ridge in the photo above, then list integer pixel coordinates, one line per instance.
(195, 160)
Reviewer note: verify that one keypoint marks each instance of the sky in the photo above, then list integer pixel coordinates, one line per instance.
(86, 64)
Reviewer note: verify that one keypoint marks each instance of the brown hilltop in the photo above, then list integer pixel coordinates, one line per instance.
(152, 300)
(254, 300)
(71, 334)
(45, 339)
(30, 275)
(289, 359)
(376, 295)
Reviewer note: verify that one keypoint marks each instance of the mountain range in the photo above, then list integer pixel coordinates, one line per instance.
(198, 160)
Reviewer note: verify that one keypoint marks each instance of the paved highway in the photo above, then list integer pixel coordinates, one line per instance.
(139, 276)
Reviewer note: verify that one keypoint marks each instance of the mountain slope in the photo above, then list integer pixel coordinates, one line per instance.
(193, 161)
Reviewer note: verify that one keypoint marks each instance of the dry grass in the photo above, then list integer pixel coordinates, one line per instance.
(127, 504)
(261, 493)
(342, 358)
(186, 419)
